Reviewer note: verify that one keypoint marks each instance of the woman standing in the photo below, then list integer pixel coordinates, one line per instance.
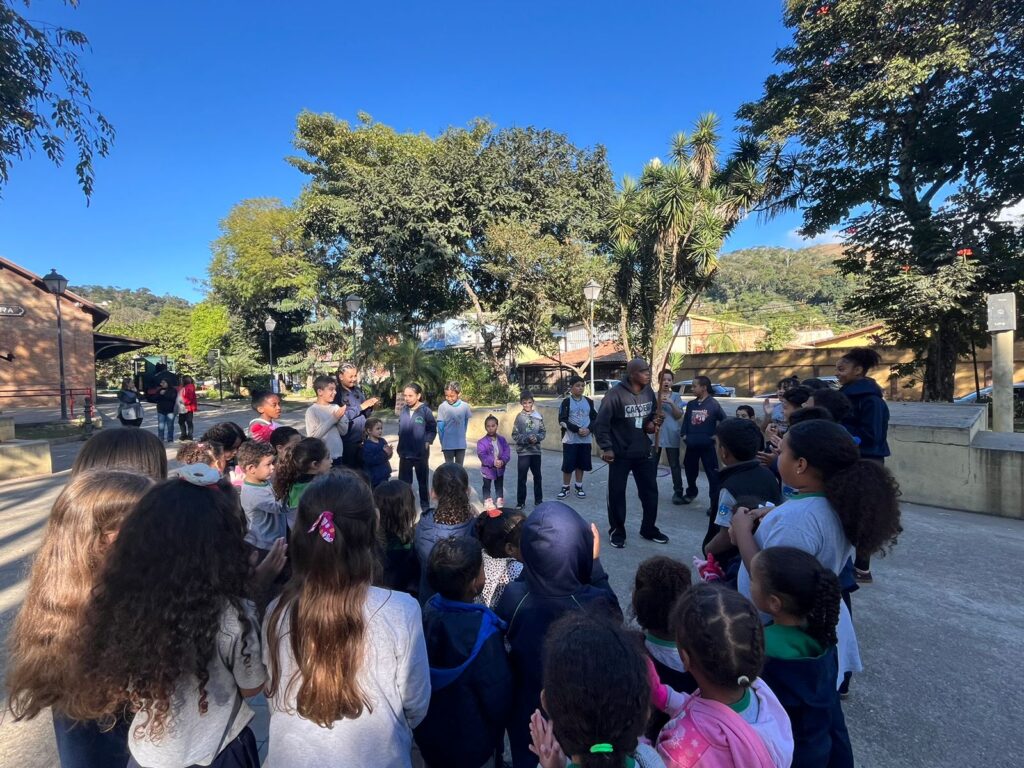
(189, 405)
(130, 411)
(166, 397)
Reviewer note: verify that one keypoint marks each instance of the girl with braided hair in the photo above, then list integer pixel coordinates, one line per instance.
(733, 719)
(803, 598)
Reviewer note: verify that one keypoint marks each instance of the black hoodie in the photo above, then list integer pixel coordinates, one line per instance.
(619, 426)
(869, 420)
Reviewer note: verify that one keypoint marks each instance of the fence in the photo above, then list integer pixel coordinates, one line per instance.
(85, 394)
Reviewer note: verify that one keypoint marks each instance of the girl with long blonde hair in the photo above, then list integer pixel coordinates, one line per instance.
(349, 675)
(42, 647)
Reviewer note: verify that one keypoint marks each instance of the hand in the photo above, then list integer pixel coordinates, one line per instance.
(340, 413)
(371, 403)
(766, 404)
(498, 463)
(776, 443)
(771, 429)
(272, 564)
(765, 457)
(597, 540)
(650, 427)
(742, 523)
(608, 456)
(544, 745)
(583, 432)
(389, 450)
(533, 440)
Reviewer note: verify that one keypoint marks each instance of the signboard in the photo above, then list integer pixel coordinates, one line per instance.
(1002, 312)
(11, 310)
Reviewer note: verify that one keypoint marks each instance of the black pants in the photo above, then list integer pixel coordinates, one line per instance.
(645, 475)
(241, 752)
(529, 462)
(499, 487)
(185, 425)
(405, 469)
(352, 454)
(695, 456)
(673, 465)
(458, 455)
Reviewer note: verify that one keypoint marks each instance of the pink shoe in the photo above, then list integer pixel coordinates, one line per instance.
(488, 503)
(500, 502)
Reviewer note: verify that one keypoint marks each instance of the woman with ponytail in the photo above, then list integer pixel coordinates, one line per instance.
(801, 664)
(348, 668)
(843, 502)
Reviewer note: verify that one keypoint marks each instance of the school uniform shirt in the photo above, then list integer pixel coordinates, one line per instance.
(355, 415)
(748, 478)
(394, 675)
(267, 518)
(526, 426)
(452, 422)
(808, 522)
(700, 420)
(192, 738)
(574, 415)
(620, 422)
(320, 422)
(428, 533)
(416, 430)
(376, 461)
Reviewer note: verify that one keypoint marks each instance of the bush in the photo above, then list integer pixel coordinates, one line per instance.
(479, 386)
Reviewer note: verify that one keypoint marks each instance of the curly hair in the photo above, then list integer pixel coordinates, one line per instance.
(123, 448)
(721, 632)
(42, 647)
(863, 493)
(833, 401)
(299, 461)
(595, 688)
(807, 589)
(397, 507)
(209, 453)
(320, 613)
(178, 563)
(495, 533)
(252, 452)
(451, 487)
(658, 583)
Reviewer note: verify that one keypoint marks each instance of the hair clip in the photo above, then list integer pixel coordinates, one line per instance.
(202, 475)
(743, 681)
(493, 512)
(602, 749)
(325, 523)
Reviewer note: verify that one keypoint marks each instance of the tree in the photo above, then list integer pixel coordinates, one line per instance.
(905, 125)
(210, 326)
(44, 97)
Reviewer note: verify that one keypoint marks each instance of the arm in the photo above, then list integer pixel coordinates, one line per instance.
(563, 417)
(541, 432)
(685, 429)
(484, 452)
(429, 426)
(517, 430)
(317, 426)
(442, 414)
(603, 423)
(506, 450)
(593, 411)
(414, 673)
(870, 421)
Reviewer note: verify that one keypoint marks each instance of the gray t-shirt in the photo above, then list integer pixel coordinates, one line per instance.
(320, 422)
(267, 517)
(192, 738)
(452, 421)
(671, 428)
(394, 675)
(579, 414)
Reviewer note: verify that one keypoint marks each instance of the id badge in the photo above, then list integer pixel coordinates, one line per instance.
(638, 422)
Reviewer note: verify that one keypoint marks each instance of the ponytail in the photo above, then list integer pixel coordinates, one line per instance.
(807, 589)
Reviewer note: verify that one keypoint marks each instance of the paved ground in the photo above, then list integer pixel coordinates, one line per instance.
(942, 628)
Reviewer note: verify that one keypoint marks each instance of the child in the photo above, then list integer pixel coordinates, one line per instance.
(528, 434)
(700, 420)
(169, 631)
(561, 574)
(842, 502)
(349, 675)
(452, 515)
(284, 439)
(498, 531)
(267, 518)
(376, 452)
(227, 434)
(596, 692)
(494, 452)
(416, 431)
(792, 400)
(659, 582)
(122, 448)
(452, 421)
(211, 454)
(268, 406)
(575, 415)
(745, 412)
(397, 508)
(300, 467)
(43, 653)
(470, 677)
(742, 475)
(326, 420)
(803, 600)
(733, 718)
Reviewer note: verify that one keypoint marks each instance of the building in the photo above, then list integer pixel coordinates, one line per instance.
(701, 333)
(867, 336)
(547, 372)
(29, 366)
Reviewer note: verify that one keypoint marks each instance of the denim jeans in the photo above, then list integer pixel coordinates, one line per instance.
(165, 426)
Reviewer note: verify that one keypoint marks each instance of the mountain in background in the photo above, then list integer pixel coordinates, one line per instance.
(129, 306)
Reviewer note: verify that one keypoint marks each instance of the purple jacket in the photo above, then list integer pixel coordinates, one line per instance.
(485, 451)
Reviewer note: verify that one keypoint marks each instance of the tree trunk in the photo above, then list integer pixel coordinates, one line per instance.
(940, 363)
(493, 356)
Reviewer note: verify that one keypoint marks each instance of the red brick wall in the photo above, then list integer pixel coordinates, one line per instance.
(32, 338)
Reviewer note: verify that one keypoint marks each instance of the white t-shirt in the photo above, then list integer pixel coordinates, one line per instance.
(191, 738)
(394, 675)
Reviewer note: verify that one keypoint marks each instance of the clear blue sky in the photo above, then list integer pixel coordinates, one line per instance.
(204, 97)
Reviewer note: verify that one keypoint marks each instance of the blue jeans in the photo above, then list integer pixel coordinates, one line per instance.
(165, 426)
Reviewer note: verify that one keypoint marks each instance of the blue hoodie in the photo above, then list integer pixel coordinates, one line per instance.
(869, 420)
(416, 430)
(559, 575)
(428, 533)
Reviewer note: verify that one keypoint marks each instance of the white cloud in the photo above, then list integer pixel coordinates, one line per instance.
(1014, 213)
(825, 238)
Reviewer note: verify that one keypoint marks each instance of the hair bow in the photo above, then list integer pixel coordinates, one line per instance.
(199, 474)
(325, 524)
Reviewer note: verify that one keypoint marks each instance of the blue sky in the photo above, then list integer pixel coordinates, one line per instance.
(204, 97)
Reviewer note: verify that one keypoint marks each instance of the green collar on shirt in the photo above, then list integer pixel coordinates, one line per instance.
(264, 484)
(743, 703)
(658, 641)
(819, 495)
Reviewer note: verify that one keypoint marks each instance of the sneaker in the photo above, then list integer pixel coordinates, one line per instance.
(657, 537)
(564, 492)
(520, 507)
(617, 543)
(500, 502)
(688, 498)
(488, 503)
(677, 498)
(863, 577)
(580, 493)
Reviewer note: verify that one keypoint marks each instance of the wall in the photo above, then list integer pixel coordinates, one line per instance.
(32, 338)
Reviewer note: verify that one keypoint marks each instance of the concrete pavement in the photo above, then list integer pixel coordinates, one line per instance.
(941, 629)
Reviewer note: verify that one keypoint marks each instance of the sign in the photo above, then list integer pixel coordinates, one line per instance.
(1002, 312)
(11, 310)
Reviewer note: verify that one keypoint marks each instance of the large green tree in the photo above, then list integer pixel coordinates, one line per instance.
(903, 124)
(45, 101)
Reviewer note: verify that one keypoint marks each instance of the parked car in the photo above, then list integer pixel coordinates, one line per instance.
(986, 397)
(718, 390)
(601, 386)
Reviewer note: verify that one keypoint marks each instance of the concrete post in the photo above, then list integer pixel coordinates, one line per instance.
(1002, 322)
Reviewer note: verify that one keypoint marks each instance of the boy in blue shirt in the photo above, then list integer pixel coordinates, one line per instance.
(700, 420)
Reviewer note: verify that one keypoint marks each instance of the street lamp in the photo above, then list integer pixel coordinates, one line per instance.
(270, 324)
(353, 304)
(592, 290)
(212, 357)
(560, 335)
(56, 284)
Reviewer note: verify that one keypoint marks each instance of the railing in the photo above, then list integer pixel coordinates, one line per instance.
(85, 393)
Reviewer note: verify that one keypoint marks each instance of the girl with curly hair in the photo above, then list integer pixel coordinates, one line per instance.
(42, 647)
(298, 468)
(843, 502)
(803, 598)
(169, 636)
(349, 675)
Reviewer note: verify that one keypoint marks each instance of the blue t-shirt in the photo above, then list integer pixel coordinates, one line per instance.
(452, 422)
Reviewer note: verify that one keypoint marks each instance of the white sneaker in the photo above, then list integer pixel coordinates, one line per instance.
(500, 502)
(488, 503)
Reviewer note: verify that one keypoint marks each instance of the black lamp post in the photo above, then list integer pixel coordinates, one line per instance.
(270, 324)
(353, 304)
(56, 284)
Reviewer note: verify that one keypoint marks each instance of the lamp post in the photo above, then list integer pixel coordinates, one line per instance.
(353, 304)
(270, 324)
(560, 335)
(56, 284)
(211, 357)
(592, 291)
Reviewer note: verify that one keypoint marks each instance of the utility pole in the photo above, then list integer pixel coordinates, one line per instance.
(1002, 322)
